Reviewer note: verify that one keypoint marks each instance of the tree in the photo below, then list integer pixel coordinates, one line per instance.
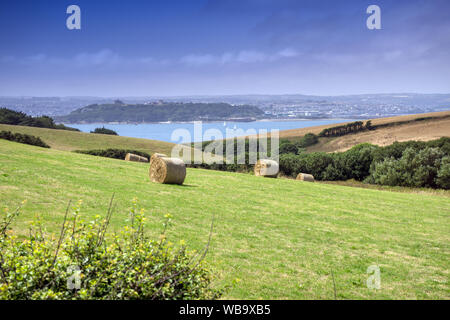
(308, 139)
(288, 147)
(411, 170)
(443, 176)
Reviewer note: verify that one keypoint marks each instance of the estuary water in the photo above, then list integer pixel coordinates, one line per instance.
(164, 131)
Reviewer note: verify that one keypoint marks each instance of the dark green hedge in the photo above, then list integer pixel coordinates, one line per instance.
(412, 163)
(104, 130)
(23, 138)
(114, 153)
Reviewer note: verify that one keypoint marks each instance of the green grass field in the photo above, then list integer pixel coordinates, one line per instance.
(281, 238)
(72, 140)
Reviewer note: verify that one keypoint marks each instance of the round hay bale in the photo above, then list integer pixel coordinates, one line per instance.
(167, 170)
(135, 157)
(157, 155)
(266, 168)
(305, 177)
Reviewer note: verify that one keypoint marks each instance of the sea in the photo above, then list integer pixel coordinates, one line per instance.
(170, 132)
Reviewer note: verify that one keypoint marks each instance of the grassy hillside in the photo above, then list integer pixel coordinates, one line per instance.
(281, 238)
(410, 129)
(70, 140)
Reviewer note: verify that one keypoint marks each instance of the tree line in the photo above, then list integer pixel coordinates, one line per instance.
(11, 117)
(348, 128)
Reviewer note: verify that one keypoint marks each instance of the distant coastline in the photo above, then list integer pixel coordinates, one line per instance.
(233, 120)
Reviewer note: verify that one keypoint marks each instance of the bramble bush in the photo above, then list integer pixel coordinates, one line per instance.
(85, 262)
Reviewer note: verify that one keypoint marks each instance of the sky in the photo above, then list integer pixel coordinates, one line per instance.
(223, 47)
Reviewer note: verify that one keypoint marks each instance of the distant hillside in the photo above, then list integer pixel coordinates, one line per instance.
(161, 112)
(421, 127)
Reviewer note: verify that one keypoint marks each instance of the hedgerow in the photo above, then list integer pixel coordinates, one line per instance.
(412, 163)
(23, 138)
(113, 153)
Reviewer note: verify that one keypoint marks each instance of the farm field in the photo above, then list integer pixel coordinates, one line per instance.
(72, 140)
(273, 238)
(417, 130)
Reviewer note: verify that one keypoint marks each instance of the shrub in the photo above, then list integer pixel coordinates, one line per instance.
(104, 130)
(356, 162)
(443, 176)
(114, 153)
(308, 139)
(288, 147)
(313, 163)
(369, 125)
(411, 170)
(23, 138)
(87, 263)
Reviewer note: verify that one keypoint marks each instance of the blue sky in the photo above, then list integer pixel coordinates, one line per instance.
(147, 48)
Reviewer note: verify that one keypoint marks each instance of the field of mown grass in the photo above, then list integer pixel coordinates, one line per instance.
(275, 238)
(72, 140)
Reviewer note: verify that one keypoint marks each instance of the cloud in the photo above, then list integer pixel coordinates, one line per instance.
(103, 57)
(198, 60)
(243, 57)
(109, 58)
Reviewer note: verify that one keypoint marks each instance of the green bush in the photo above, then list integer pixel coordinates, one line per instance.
(412, 163)
(413, 169)
(85, 262)
(308, 139)
(356, 162)
(443, 176)
(288, 147)
(113, 153)
(314, 163)
(104, 130)
(23, 138)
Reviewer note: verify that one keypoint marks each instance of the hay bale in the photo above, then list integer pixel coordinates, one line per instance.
(167, 170)
(266, 168)
(135, 157)
(305, 177)
(157, 155)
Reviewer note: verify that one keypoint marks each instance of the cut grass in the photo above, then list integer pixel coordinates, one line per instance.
(280, 237)
(359, 184)
(72, 140)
